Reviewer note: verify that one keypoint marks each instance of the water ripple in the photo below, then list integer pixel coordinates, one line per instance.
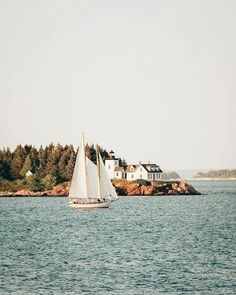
(150, 245)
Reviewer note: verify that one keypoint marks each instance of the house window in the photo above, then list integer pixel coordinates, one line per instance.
(150, 176)
(132, 175)
(117, 174)
(109, 167)
(141, 176)
(116, 162)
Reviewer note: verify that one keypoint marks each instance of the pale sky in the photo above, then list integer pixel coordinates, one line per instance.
(153, 80)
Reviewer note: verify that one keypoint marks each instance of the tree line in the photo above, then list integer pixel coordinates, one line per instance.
(49, 166)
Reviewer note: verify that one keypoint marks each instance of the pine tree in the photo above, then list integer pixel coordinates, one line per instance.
(48, 182)
(5, 161)
(34, 183)
(54, 155)
(18, 159)
(42, 158)
(70, 165)
(28, 164)
(34, 159)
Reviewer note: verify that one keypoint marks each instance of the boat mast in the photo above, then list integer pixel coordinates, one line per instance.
(99, 173)
(85, 170)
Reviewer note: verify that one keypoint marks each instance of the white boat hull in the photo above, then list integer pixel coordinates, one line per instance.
(89, 205)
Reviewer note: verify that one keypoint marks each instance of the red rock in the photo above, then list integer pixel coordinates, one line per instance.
(133, 189)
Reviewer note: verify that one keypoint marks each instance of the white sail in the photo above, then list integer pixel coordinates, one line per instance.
(92, 179)
(107, 188)
(78, 188)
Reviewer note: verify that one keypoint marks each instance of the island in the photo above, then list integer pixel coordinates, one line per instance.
(224, 174)
(123, 188)
(47, 171)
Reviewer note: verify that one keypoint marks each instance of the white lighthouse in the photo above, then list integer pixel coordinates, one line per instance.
(111, 164)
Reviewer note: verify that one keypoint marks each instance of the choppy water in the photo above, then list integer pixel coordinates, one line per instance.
(141, 245)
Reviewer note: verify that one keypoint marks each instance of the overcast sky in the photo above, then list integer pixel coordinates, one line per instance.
(153, 80)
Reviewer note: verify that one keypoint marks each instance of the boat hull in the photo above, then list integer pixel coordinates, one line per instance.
(89, 205)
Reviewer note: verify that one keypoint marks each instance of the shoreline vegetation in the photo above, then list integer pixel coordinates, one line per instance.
(123, 188)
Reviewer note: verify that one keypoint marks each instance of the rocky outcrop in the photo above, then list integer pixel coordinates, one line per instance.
(59, 190)
(156, 188)
(123, 188)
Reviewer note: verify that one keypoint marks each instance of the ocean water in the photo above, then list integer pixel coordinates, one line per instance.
(141, 245)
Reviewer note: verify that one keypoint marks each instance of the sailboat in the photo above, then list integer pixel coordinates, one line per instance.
(90, 185)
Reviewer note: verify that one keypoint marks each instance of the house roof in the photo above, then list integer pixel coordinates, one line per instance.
(150, 168)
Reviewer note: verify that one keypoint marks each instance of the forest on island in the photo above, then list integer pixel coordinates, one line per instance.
(49, 166)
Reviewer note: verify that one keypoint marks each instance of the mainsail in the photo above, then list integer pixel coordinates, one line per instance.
(78, 188)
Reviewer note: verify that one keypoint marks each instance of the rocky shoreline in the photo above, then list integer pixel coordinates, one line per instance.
(123, 188)
(154, 188)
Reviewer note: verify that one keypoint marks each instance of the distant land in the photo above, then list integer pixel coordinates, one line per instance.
(189, 173)
(217, 174)
(195, 174)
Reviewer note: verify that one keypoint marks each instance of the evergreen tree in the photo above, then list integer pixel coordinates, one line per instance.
(18, 159)
(5, 161)
(62, 167)
(34, 183)
(54, 155)
(48, 182)
(70, 165)
(34, 159)
(42, 158)
(28, 165)
(104, 153)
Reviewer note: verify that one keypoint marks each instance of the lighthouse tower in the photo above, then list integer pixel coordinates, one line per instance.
(111, 163)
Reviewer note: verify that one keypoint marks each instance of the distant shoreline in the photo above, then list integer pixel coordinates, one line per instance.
(205, 178)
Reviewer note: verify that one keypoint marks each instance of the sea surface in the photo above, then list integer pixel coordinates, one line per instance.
(140, 245)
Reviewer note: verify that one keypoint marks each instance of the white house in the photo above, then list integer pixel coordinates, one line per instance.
(143, 171)
(131, 172)
(119, 172)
